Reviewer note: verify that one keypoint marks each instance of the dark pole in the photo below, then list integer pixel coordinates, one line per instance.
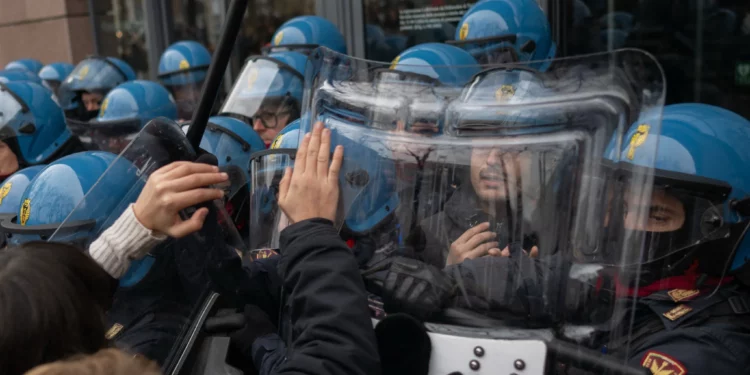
(216, 71)
(92, 18)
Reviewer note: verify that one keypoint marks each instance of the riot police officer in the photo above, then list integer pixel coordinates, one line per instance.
(182, 69)
(82, 92)
(30, 65)
(506, 31)
(32, 127)
(54, 74)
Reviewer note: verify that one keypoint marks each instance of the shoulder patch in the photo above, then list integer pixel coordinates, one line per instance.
(662, 364)
(678, 295)
(113, 331)
(678, 312)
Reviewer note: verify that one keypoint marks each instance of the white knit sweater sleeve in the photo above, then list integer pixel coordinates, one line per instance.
(125, 240)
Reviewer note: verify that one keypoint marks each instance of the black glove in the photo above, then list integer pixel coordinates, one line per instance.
(415, 288)
(257, 324)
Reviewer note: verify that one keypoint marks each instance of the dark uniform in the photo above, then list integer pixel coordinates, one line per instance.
(330, 331)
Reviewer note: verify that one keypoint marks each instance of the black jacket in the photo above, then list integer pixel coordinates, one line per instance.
(331, 330)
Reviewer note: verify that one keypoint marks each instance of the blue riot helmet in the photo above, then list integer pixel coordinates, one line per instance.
(123, 113)
(82, 93)
(506, 31)
(53, 74)
(266, 170)
(305, 33)
(32, 124)
(419, 80)
(13, 187)
(29, 65)
(182, 68)
(18, 75)
(699, 210)
(268, 93)
(11, 192)
(47, 202)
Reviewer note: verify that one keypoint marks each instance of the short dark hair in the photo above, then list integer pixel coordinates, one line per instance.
(52, 302)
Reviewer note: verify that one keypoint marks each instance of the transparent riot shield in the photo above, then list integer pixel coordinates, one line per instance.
(266, 218)
(159, 294)
(503, 188)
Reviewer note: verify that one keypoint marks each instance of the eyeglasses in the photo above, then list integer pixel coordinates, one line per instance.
(270, 120)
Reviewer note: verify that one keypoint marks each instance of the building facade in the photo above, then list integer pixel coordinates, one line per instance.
(703, 45)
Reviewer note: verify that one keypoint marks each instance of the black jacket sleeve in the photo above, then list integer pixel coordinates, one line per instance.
(331, 328)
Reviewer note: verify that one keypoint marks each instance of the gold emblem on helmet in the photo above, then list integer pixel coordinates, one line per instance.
(637, 139)
(83, 72)
(505, 93)
(395, 62)
(278, 38)
(184, 64)
(25, 211)
(277, 141)
(5, 190)
(252, 76)
(104, 107)
(464, 32)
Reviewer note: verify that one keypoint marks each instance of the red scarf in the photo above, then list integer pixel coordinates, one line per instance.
(688, 280)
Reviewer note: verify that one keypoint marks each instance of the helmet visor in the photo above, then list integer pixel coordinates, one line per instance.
(267, 88)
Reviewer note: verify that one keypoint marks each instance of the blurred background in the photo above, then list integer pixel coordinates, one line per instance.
(704, 45)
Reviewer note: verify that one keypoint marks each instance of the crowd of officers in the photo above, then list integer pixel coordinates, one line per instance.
(310, 232)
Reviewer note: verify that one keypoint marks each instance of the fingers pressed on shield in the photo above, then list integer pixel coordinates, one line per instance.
(301, 159)
(193, 197)
(338, 159)
(314, 150)
(194, 181)
(189, 168)
(324, 153)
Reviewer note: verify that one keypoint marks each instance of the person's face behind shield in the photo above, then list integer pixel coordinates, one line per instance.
(497, 175)
(92, 101)
(270, 119)
(8, 161)
(186, 97)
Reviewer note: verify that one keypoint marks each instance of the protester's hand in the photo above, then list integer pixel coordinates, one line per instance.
(474, 243)
(173, 188)
(311, 190)
(534, 253)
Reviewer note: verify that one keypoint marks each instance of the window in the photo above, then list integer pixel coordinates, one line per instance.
(122, 32)
(701, 44)
(391, 26)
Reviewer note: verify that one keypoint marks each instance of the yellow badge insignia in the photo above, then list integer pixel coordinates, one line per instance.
(278, 38)
(262, 254)
(678, 312)
(5, 190)
(637, 139)
(105, 103)
(277, 141)
(505, 93)
(184, 65)
(252, 77)
(83, 72)
(464, 32)
(25, 211)
(113, 331)
(662, 364)
(682, 294)
(395, 62)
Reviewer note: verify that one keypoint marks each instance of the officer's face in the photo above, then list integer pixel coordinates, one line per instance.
(665, 213)
(92, 101)
(8, 160)
(496, 174)
(269, 121)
